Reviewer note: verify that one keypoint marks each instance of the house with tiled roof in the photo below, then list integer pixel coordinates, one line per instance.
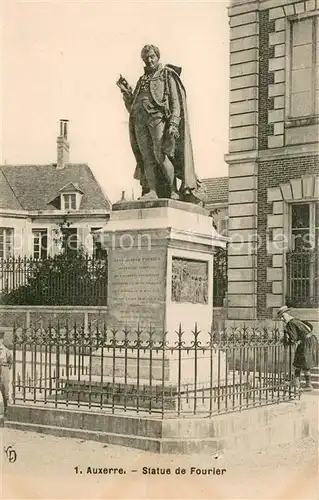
(217, 201)
(35, 199)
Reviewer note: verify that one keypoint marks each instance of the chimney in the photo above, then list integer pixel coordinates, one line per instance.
(63, 145)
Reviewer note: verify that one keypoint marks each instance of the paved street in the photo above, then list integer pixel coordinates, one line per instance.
(46, 468)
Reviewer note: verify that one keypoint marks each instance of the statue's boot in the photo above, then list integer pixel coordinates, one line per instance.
(150, 196)
(174, 195)
(173, 189)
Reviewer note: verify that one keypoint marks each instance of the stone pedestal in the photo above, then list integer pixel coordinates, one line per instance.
(160, 266)
(160, 276)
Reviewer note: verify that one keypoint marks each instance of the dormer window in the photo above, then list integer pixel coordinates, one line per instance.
(69, 201)
(70, 197)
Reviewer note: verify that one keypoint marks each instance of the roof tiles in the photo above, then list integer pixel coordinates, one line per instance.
(34, 187)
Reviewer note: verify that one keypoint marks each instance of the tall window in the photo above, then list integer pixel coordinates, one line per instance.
(99, 252)
(304, 226)
(6, 242)
(69, 201)
(70, 240)
(302, 259)
(220, 277)
(40, 243)
(304, 74)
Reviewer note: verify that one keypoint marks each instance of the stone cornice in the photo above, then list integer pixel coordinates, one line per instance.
(246, 157)
(56, 214)
(237, 7)
(21, 214)
(288, 152)
(216, 239)
(273, 154)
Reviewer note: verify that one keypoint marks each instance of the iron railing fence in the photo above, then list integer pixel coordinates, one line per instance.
(58, 280)
(188, 373)
(74, 280)
(303, 279)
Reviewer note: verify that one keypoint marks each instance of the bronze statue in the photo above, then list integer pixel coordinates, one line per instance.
(159, 132)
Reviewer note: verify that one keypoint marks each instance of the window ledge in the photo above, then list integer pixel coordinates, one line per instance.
(298, 122)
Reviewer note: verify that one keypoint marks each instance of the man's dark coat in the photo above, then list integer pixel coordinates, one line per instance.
(306, 354)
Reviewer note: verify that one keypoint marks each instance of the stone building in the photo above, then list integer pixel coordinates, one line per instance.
(35, 198)
(273, 158)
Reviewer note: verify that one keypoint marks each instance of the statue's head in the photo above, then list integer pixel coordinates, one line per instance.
(150, 55)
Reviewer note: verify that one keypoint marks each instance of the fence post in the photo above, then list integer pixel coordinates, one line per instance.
(179, 375)
(163, 345)
(14, 360)
(196, 344)
(150, 346)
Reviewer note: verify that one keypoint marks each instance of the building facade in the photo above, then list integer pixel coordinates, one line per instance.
(38, 201)
(273, 159)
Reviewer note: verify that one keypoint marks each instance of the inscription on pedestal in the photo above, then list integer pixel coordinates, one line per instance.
(189, 281)
(137, 288)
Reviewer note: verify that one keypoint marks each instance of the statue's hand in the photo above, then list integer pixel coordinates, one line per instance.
(124, 89)
(124, 86)
(173, 131)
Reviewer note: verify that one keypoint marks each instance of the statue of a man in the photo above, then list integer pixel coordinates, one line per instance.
(159, 130)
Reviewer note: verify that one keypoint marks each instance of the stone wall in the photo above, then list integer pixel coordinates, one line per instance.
(267, 151)
(43, 315)
(247, 430)
(242, 279)
(272, 201)
(243, 107)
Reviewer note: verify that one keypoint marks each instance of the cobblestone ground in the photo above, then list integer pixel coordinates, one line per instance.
(45, 469)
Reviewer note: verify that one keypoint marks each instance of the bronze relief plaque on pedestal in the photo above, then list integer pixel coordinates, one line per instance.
(189, 281)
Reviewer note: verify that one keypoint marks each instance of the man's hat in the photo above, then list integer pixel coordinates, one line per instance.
(282, 310)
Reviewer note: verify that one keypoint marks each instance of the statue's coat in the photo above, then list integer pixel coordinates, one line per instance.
(180, 153)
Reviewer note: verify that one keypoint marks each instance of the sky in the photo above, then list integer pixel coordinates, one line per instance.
(61, 59)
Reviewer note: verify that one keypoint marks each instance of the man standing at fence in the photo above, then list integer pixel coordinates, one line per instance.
(5, 367)
(306, 354)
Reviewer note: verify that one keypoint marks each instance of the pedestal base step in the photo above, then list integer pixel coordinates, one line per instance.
(314, 377)
(144, 395)
(241, 430)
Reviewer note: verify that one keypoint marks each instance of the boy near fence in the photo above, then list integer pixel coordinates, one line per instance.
(5, 367)
(299, 333)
